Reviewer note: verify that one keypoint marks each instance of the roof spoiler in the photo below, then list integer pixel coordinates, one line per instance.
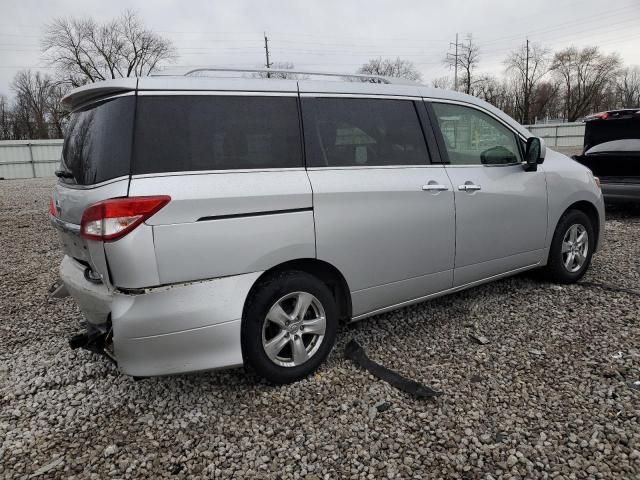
(93, 91)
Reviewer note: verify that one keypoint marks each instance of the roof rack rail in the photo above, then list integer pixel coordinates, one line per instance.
(361, 76)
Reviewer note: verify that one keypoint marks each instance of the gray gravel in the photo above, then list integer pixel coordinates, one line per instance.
(551, 395)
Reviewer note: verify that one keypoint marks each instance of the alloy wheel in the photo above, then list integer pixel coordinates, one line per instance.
(293, 329)
(575, 246)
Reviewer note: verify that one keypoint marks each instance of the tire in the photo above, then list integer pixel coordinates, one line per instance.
(287, 347)
(559, 269)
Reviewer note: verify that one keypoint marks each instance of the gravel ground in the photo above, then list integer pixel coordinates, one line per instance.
(551, 395)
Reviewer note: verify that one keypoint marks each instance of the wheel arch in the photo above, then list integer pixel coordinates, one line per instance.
(324, 271)
(590, 210)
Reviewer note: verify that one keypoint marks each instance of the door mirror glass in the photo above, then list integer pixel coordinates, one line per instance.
(533, 154)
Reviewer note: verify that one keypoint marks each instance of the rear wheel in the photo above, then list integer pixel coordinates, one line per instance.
(289, 326)
(571, 248)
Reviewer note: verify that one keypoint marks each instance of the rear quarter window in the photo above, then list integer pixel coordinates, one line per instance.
(198, 133)
(97, 144)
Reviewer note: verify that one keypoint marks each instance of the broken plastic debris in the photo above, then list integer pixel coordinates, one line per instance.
(481, 339)
(617, 356)
(49, 466)
(353, 351)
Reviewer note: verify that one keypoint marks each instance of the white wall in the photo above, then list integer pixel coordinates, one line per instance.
(29, 158)
(559, 135)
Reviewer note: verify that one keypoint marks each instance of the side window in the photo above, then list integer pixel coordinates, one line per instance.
(201, 132)
(474, 138)
(352, 132)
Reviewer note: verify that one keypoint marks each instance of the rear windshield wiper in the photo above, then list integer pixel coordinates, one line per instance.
(63, 174)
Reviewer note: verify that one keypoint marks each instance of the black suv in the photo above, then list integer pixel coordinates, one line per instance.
(612, 152)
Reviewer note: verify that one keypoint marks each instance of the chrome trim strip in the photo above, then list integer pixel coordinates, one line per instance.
(377, 167)
(75, 186)
(361, 95)
(64, 226)
(215, 93)
(214, 172)
(475, 165)
(442, 292)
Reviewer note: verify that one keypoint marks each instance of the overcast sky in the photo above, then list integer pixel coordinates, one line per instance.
(337, 35)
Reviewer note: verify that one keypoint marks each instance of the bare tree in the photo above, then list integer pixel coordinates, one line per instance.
(6, 119)
(388, 67)
(84, 51)
(32, 95)
(446, 83)
(527, 65)
(36, 112)
(628, 88)
(585, 75)
(57, 115)
(496, 92)
(467, 61)
(545, 102)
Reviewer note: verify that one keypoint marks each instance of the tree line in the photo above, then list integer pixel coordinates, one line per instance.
(535, 83)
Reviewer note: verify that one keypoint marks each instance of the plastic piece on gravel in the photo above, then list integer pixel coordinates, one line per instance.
(353, 351)
(611, 288)
(481, 339)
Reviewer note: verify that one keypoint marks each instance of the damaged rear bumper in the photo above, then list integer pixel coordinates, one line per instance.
(164, 330)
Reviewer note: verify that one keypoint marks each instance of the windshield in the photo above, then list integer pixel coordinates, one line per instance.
(97, 145)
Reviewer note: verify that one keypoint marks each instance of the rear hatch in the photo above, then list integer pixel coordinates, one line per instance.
(95, 166)
(612, 146)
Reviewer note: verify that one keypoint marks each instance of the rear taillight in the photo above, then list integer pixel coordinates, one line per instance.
(114, 218)
(598, 116)
(52, 208)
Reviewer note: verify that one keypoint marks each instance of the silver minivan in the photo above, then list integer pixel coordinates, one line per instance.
(217, 222)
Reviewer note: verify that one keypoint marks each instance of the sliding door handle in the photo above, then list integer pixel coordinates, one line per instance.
(469, 187)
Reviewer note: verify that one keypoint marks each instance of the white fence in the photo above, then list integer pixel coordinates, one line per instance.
(29, 158)
(560, 134)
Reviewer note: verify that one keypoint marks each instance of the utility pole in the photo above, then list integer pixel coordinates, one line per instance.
(527, 100)
(266, 49)
(455, 62)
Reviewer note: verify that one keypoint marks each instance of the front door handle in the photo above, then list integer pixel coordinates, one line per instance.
(469, 187)
(434, 187)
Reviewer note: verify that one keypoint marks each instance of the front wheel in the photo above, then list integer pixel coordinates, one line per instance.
(289, 326)
(571, 248)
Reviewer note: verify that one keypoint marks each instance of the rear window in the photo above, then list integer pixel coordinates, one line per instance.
(97, 145)
(201, 132)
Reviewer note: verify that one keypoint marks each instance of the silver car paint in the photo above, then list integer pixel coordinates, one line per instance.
(222, 246)
(568, 182)
(512, 204)
(379, 227)
(394, 243)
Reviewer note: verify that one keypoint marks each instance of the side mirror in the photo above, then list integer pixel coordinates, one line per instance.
(534, 153)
